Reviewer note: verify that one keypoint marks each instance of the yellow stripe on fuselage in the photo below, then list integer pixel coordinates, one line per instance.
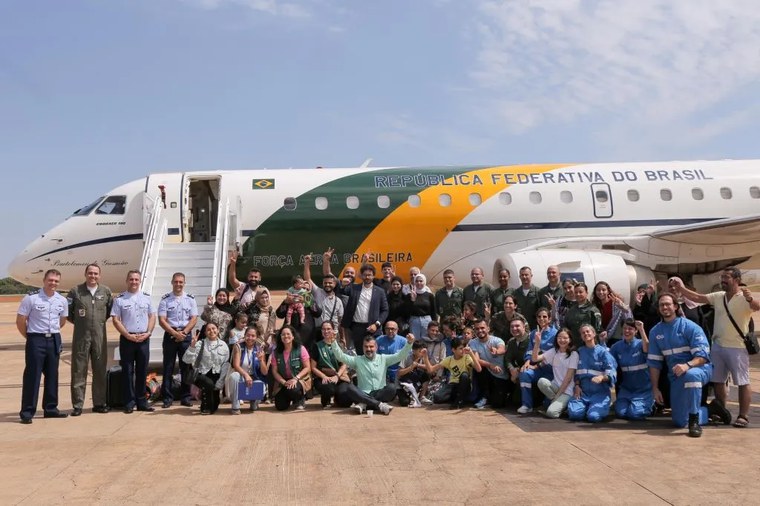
(419, 231)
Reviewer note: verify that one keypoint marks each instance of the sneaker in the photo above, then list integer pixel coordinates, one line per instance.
(235, 411)
(411, 391)
(427, 402)
(414, 404)
(523, 409)
(385, 408)
(300, 405)
(481, 403)
(327, 406)
(361, 407)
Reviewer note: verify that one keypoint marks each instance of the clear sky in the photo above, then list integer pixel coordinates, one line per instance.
(95, 93)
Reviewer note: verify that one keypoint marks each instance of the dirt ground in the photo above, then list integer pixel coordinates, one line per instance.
(429, 455)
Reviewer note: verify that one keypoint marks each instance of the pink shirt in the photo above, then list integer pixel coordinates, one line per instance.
(286, 358)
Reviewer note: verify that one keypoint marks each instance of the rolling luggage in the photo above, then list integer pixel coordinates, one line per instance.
(114, 387)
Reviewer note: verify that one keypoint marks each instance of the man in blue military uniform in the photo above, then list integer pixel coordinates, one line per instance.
(89, 308)
(134, 319)
(39, 320)
(682, 346)
(177, 315)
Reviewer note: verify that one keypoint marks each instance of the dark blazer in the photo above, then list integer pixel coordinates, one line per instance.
(378, 305)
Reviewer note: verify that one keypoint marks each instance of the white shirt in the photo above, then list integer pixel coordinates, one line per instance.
(561, 363)
(361, 315)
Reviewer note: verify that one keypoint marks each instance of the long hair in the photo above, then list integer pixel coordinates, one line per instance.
(597, 302)
(279, 346)
(570, 347)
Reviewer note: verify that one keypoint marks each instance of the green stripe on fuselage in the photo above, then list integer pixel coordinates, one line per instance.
(278, 245)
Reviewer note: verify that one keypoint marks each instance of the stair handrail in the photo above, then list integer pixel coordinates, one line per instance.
(153, 241)
(219, 273)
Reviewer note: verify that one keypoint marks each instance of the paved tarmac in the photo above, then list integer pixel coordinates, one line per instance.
(420, 456)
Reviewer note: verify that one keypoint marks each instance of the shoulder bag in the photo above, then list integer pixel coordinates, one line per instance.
(192, 374)
(750, 340)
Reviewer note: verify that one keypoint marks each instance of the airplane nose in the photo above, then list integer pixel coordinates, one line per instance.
(25, 270)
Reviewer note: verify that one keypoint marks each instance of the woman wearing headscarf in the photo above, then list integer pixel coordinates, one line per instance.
(261, 315)
(420, 304)
(220, 311)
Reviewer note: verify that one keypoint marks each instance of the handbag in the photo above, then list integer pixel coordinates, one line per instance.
(750, 340)
(192, 374)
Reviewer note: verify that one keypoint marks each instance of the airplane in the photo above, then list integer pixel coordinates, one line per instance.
(625, 223)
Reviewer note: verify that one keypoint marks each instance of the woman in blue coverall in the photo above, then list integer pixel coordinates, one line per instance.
(634, 398)
(594, 377)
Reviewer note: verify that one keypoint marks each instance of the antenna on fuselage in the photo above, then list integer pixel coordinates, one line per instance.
(366, 163)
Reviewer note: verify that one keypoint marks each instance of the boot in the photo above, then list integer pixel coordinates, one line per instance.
(694, 429)
(716, 409)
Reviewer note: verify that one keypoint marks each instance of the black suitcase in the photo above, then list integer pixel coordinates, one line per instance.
(115, 387)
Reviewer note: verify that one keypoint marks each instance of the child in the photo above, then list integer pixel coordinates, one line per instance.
(413, 378)
(467, 334)
(237, 333)
(460, 365)
(300, 298)
(564, 362)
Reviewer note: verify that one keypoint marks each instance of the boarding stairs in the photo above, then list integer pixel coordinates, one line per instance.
(204, 264)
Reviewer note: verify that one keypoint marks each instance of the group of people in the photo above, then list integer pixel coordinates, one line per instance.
(553, 347)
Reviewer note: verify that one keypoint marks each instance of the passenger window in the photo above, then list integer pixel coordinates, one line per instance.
(754, 192)
(289, 204)
(725, 193)
(633, 195)
(601, 196)
(535, 197)
(566, 196)
(666, 195)
(320, 203)
(697, 194)
(352, 202)
(505, 198)
(474, 199)
(383, 201)
(115, 204)
(414, 200)
(444, 200)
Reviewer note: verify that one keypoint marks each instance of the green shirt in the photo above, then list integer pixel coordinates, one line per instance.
(370, 374)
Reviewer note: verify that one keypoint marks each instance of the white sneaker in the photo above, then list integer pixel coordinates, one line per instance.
(427, 402)
(300, 406)
(385, 408)
(414, 404)
(481, 403)
(361, 407)
(411, 391)
(523, 409)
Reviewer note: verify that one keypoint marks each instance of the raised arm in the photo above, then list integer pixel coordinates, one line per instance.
(231, 270)
(326, 256)
(349, 360)
(400, 354)
(307, 268)
(677, 284)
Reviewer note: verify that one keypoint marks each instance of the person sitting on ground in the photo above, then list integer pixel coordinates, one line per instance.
(413, 379)
(564, 362)
(332, 376)
(634, 397)
(248, 364)
(459, 365)
(212, 368)
(530, 373)
(220, 311)
(596, 373)
(434, 342)
(388, 344)
(371, 390)
(291, 370)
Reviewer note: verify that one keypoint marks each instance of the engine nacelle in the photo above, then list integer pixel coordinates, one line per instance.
(587, 266)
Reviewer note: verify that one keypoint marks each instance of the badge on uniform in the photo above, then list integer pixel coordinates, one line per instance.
(82, 313)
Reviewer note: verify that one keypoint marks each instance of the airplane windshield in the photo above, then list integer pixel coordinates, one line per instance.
(84, 211)
(115, 204)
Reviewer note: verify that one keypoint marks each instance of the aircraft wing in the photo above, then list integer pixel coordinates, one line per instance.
(719, 243)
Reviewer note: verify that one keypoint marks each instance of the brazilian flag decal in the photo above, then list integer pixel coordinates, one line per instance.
(263, 184)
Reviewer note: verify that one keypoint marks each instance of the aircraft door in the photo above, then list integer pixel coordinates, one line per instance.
(169, 188)
(202, 209)
(602, 197)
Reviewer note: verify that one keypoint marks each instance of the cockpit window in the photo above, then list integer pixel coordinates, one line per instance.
(84, 211)
(115, 204)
